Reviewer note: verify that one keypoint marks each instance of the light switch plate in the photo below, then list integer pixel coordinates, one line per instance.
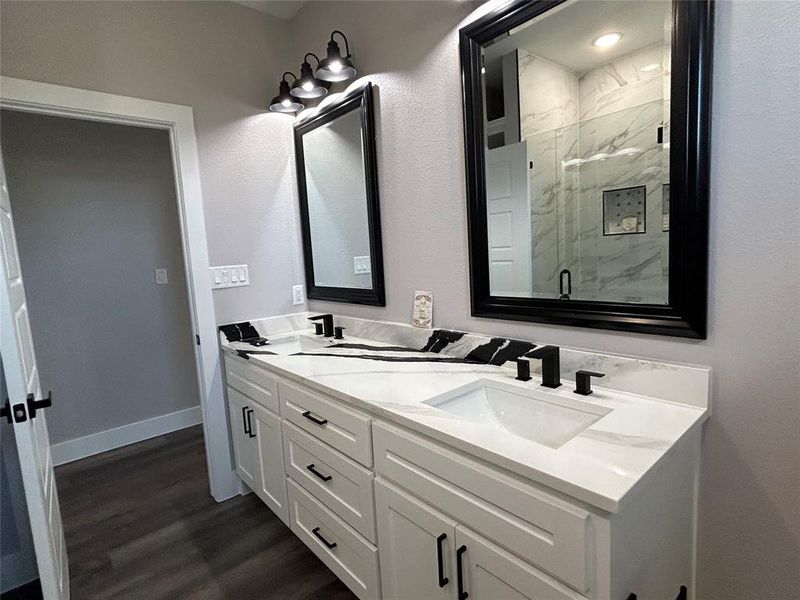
(361, 265)
(161, 276)
(297, 295)
(229, 276)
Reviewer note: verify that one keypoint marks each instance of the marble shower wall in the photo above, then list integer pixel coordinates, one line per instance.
(548, 101)
(587, 133)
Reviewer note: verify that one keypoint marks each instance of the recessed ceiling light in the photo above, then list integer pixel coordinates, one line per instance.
(607, 40)
(650, 67)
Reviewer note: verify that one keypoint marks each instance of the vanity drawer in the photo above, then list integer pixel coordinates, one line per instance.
(347, 554)
(342, 428)
(338, 482)
(256, 383)
(541, 529)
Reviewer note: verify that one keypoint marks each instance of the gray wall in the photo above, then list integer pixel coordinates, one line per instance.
(17, 558)
(225, 61)
(749, 521)
(95, 213)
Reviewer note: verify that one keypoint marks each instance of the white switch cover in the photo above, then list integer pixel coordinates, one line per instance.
(361, 265)
(161, 276)
(229, 276)
(297, 294)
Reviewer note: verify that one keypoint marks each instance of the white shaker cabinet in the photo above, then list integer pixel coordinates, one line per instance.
(271, 480)
(245, 449)
(417, 547)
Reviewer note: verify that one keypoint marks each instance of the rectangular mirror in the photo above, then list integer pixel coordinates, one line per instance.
(586, 138)
(338, 188)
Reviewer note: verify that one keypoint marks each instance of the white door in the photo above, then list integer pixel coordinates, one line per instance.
(416, 547)
(33, 443)
(272, 475)
(245, 449)
(508, 206)
(491, 573)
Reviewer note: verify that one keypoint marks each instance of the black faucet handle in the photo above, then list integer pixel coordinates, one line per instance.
(583, 381)
(523, 369)
(337, 332)
(318, 329)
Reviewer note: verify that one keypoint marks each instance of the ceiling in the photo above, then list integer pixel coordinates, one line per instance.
(564, 35)
(283, 9)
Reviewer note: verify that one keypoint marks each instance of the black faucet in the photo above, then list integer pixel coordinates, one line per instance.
(551, 364)
(327, 324)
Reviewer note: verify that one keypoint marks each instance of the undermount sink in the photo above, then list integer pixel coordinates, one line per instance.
(528, 413)
(291, 344)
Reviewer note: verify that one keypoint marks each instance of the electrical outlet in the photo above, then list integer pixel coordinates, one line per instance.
(361, 265)
(161, 276)
(297, 295)
(230, 276)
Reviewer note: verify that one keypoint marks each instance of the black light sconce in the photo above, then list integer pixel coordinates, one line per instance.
(284, 102)
(335, 67)
(309, 86)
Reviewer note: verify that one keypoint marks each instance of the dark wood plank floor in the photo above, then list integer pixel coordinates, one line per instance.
(140, 524)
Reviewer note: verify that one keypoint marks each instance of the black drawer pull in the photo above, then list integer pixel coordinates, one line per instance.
(251, 433)
(462, 595)
(316, 532)
(314, 419)
(244, 420)
(440, 560)
(318, 474)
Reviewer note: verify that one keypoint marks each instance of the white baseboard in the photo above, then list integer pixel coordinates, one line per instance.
(65, 452)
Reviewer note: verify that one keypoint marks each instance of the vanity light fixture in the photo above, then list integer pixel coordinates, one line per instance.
(284, 102)
(309, 86)
(335, 67)
(607, 40)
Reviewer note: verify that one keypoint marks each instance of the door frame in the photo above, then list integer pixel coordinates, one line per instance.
(178, 120)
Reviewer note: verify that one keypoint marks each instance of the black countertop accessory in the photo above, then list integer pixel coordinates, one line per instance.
(583, 381)
(551, 364)
(318, 328)
(337, 332)
(523, 369)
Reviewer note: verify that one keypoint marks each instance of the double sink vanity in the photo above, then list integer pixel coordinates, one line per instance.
(414, 464)
(422, 463)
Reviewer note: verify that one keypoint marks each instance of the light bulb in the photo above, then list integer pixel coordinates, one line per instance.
(308, 86)
(607, 40)
(286, 103)
(335, 66)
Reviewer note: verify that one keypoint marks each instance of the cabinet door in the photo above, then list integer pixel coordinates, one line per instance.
(490, 573)
(416, 547)
(245, 449)
(269, 446)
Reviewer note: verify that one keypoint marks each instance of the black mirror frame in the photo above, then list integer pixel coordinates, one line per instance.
(686, 313)
(361, 100)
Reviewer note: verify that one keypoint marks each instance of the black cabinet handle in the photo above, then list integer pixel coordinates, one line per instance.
(316, 532)
(308, 415)
(318, 474)
(440, 560)
(251, 433)
(244, 420)
(462, 595)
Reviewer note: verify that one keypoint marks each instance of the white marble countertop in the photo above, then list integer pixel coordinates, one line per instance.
(599, 466)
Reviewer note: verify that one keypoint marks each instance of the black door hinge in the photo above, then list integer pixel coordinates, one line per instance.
(34, 405)
(14, 414)
(197, 338)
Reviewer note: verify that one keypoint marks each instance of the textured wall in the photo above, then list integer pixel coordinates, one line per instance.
(222, 59)
(749, 527)
(95, 213)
